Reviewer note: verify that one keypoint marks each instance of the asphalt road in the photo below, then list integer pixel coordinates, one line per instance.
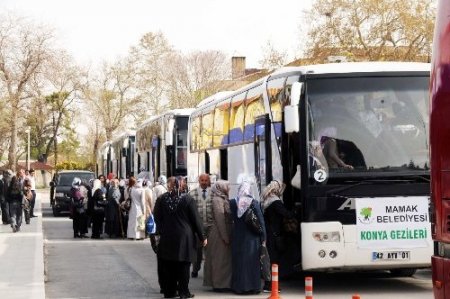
(107, 268)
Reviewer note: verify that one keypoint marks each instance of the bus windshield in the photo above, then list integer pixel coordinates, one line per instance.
(368, 125)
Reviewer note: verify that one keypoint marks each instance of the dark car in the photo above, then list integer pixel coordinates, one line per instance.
(60, 188)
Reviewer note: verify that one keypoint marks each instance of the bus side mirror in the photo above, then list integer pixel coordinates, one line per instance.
(291, 112)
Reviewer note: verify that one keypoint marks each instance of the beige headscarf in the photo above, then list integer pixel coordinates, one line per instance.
(272, 193)
(221, 189)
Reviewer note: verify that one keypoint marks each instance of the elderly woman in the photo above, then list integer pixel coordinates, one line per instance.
(217, 271)
(274, 213)
(78, 209)
(137, 210)
(246, 244)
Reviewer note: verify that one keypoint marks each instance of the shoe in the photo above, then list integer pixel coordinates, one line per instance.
(187, 296)
(83, 236)
(27, 222)
(17, 228)
(171, 296)
(14, 229)
(194, 274)
(33, 216)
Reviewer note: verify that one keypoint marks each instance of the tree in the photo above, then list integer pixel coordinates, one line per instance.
(149, 59)
(272, 58)
(194, 76)
(370, 29)
(24, 47)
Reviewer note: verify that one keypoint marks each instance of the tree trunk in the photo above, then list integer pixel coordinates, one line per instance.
(12, 157)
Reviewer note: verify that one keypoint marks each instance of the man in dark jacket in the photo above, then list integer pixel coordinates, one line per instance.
(178, 224)
(4, 183)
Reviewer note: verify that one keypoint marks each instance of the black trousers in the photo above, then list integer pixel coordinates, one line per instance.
(197, 264)
(97, 223)
(175, 276)
(32, 202)
(6, 219)
(79, 223)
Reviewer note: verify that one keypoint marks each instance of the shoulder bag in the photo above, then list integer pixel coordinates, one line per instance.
(252, 220)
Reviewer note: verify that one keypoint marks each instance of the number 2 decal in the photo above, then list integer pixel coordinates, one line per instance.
(320, 175)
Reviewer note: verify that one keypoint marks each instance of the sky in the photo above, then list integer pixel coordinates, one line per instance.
(97, 30)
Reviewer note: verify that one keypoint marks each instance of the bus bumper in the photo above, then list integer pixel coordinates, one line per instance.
(329, 246)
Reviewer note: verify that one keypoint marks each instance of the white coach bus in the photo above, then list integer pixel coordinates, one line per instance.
(349, 140)
(162, 144)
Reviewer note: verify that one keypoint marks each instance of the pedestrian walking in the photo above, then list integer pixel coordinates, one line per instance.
(179, 225)
(15, 197)
(4, 200)
(32, 180)
(160, 188)
(217, 270)
(203, 199)
(246, 244)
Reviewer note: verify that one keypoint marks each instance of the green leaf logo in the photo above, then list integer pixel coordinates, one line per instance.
(366, 212)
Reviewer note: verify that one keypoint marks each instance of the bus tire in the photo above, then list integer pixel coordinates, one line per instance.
(405, 272)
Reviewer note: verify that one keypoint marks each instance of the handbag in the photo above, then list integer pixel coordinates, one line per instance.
(141, 222)
(264, 262)
(150, 225)
(125, 205)
(252, 220)
(290, 225)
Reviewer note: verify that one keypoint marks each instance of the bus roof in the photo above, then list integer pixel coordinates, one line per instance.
(357, 67)
(122, 136)
(175, 112)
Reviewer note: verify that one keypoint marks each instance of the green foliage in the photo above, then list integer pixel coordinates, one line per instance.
(71, 165)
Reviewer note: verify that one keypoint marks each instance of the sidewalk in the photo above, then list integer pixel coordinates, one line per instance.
(22, 259)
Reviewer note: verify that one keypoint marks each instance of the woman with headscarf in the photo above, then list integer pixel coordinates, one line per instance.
(245, 244)
(112, 213)
(78, 209)
(97, 209)
(274, 213)
(160, 188)
(178, 225)
(217, 270)
(137, 210)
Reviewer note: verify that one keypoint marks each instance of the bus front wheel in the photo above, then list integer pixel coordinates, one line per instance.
(405, 272)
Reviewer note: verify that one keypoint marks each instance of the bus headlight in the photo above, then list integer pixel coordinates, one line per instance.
(322, 253)
(327, 236)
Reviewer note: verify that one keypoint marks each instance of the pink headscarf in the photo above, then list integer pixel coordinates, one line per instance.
(244, 198)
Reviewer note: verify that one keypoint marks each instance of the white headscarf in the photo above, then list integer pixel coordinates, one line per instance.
(244, 198)
(96, 185)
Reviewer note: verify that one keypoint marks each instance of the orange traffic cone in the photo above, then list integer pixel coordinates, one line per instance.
(308, 287)
(356, 296)
(274, 293)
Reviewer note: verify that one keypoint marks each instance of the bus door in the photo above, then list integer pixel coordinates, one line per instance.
(263, 158)
(156, 155)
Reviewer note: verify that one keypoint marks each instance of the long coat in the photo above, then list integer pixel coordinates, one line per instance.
(178, 229)
(273, 216)
(137, 209)
(245, 250)
(217, 271)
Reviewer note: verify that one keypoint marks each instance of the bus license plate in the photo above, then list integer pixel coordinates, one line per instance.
(390, 256)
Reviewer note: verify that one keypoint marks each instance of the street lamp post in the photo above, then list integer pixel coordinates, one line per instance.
(28, 147)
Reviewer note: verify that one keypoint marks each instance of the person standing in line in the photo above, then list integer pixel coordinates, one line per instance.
(4, 185)
(112, 213)
(160, 188)
(27, 198)
(217, 269)
(274, 213)
(245, 244)
(78, 209)
(203, 199)
(32, 180)
(137, 209)
(179, 225)
(97, 209)
(15, 196)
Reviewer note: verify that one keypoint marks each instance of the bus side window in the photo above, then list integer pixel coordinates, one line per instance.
(195, 133)
(206, 130)
(275, 90)
(237, 118)
(221, 124)
(254, 108)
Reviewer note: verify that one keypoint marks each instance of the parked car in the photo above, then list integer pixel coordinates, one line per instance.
(60, 188)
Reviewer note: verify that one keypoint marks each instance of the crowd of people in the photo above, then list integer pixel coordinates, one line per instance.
(202, 224)
(17, 197)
